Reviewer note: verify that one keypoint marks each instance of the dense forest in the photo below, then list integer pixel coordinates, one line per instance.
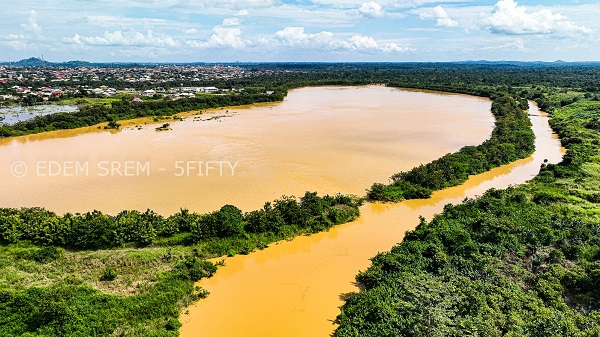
(522, 261)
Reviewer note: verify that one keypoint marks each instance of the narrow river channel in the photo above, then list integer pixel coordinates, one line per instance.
(294, 288)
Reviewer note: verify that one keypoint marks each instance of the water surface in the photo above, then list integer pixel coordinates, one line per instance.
(17, 113)
(294, 288)
(325, 139)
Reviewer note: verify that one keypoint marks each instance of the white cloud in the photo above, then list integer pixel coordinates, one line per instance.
(32, 25)
(18, 45)
(394, 48)
(231, 22)
(511, 19)
(517, 44)
(295, 36)
(12, 37)
(126, 38)
(187, 4)
(190, 31)
(226, 37)
(363, 42)
(242, 12)
(387, 3)
(371, 9)
(440, 15)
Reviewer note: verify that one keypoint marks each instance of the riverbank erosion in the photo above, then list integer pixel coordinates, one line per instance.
(519, 261)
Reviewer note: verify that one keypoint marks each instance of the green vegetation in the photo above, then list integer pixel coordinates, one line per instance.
(164, 127)
(511, 139)
(120, 110)
(524, 261)
(520, 262)
(50, 287)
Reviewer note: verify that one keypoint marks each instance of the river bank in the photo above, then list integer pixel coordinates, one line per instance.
(295, 288)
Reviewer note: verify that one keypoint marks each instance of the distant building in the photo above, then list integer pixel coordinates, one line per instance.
(210, 89)
(136, 99)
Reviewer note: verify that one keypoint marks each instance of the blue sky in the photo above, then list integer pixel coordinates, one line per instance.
(299, 30)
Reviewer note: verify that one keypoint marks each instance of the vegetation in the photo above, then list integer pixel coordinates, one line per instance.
(511, 139)
(45, 286)
(120, 110)
(164, 127)
(524, 261)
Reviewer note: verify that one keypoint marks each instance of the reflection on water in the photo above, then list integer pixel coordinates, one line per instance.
(294, 288)
(326, 139)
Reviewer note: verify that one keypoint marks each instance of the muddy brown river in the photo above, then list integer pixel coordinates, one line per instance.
(326, 139)
(294, 288)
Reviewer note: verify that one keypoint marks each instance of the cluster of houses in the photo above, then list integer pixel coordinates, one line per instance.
(175, 93)
(151, 74)
(75, 80)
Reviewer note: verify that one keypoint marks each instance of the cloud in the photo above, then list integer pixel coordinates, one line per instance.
(371, 9)
(295, 36)
(440, 15)
(190, 31)
(223, 36)
(226, 37)
(32, 25)
(394, 48)
(191, 4)
(517, 44)
(231, 22)
(242, 12)
(363, 42)
(511, 19)
(126, 38)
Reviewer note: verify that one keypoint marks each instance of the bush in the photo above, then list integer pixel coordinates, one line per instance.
(108, 274)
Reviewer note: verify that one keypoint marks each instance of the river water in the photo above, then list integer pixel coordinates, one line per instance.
(325, 139)
(294, 288)
(17, 113)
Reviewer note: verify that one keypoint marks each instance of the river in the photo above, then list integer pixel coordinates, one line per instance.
(294, 288)
(325, 139)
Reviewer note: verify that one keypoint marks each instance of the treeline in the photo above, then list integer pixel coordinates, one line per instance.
(511, 139)
(528, 80)
(93, 230)
(93, 114)
(523, 261)
(73, 308)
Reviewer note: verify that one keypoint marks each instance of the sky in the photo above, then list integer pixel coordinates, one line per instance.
(299, 30)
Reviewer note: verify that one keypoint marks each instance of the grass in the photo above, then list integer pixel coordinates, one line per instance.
(137, 269)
